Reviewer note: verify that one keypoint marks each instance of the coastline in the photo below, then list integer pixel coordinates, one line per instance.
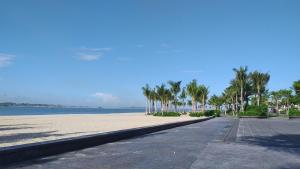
(25, 129)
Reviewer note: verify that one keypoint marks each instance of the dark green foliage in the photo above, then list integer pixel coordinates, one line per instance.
(196, 114)
(209, 113)
(217, 113)
(294, 112)
(260, 111)
(167, 114)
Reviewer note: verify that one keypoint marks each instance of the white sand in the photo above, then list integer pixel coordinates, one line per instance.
(17, 130)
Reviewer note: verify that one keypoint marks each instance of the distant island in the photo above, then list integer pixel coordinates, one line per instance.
(12, 104)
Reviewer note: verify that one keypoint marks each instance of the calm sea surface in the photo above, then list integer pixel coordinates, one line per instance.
(45, 111)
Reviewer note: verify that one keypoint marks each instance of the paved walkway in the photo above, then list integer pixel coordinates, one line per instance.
(174, 148)
(260, 144)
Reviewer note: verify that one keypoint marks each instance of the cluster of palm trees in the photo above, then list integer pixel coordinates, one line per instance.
(246, 88)
(251, 88)
(168, 99)
(284, 99)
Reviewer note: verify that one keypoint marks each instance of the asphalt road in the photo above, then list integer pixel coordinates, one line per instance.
(257, 143)
(174, 148)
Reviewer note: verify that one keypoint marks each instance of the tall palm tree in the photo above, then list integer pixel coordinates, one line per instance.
(154, 98)
(203, 93)
(192, 90)
(241, 77)
(259, 81)
(161, 92)
(146, 91)
(235, 90)
(175, 89)
(182, 96)
(167, 98)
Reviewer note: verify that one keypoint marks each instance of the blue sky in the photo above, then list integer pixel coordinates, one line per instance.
(100, 53)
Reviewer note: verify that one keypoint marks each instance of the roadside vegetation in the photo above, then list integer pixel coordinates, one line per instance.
(246, 95)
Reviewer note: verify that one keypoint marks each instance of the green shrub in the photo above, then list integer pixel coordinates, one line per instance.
(260, 111)
(217, 113)
(294, 112)
(196, 114)
(207, 113)
(167, 114)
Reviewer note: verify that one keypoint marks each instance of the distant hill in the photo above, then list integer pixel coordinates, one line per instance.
(12, 104)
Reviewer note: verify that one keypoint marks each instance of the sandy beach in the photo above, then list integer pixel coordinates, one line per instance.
(18, 130)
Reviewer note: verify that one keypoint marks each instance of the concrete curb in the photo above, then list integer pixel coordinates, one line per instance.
(21, 153)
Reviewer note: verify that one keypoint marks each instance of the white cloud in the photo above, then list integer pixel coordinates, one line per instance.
(89, 57)
(91, 54)
(192, 71)
(106, 98)
(6, 59)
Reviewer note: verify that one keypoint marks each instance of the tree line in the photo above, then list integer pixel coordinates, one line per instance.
(173, 96)
(246, 88)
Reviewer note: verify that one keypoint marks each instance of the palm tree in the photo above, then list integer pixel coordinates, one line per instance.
(167, 98)
(154, 98)
(296, 87)
(259, 81)
(175, 89)
(182, 96)
(203, 93)
(276, 96)
(161, 92)
(286, 96)
(146, 91)
(192, 90)
(241, 77)
(216, 101)
(234, 90)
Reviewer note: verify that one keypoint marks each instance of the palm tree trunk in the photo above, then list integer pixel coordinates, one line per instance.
(175, 105)
(232, 105)
(146, 107)
(258, 96)
(203, 104)
(242, 98)
(193, 105)
(149, 106)
(155, 106)
(236, 104)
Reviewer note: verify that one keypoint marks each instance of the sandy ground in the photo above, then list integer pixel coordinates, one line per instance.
(18, 130)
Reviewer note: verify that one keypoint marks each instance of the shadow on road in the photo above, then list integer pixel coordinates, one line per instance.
(282, 142)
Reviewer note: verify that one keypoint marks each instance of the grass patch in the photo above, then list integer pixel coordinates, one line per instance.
(167, 114)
